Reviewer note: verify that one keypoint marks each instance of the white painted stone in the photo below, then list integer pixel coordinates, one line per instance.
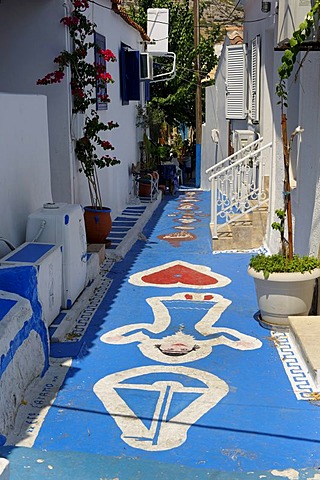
(27, 362)
(4, 469)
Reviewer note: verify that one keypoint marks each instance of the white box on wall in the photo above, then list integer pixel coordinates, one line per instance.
(63, 224)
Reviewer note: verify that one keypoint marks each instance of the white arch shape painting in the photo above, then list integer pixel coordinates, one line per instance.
(162, 431)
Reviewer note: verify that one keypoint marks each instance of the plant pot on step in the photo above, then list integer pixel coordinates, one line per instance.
(283, 294)
(98, 223)
(144, 187)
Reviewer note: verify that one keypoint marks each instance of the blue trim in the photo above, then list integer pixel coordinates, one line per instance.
(5, 306)
(198, 164)
(22, 281)
(66, 219)
(31, 253)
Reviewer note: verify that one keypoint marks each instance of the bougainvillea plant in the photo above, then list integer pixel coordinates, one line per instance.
(88, 80)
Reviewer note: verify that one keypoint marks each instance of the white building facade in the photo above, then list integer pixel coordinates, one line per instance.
(244, 99)
(37, 142)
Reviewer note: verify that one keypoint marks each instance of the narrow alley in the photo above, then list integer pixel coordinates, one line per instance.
(173, 377)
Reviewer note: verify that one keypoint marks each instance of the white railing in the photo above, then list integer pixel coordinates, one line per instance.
(238, 184)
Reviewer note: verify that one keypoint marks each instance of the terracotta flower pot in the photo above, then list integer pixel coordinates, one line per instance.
(98, 223)
(144, 188)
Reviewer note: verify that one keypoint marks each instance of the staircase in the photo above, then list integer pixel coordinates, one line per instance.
(240, 198)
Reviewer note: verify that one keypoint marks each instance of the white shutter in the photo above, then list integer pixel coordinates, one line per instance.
(236, 82)
(255, 79)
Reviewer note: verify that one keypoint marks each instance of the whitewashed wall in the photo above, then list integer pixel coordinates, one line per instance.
(29, 44)
(211, 152)
(116, 181)
(24, 161)
(30, 39)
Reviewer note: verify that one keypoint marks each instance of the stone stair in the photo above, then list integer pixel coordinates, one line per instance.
(244, 233)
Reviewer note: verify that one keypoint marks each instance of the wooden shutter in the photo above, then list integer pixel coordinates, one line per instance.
(236, 82)
(255, 80)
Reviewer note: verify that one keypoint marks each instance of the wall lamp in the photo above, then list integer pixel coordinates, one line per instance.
(265, 7)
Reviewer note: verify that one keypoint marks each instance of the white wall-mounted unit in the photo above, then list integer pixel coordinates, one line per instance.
(146, 66)
(158, 30)
(242, 138)
(291, 14)
(63, 224)
(47, 259)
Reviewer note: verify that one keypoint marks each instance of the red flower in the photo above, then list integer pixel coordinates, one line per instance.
(106, 145)
(70, 21)
(78, 92)
(100, 68)
(105, 76)
(104, 98)
(107, 55)
(54, 77)
(80, 3)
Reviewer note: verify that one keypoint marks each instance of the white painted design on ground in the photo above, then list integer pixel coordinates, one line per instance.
(295, 367)
(289, 473)
(180, 347)
(162, 431)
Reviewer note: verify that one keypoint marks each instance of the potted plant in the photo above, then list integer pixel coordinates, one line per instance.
(285, 281)
(88, 82)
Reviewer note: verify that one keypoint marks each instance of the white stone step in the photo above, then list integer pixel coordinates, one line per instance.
(306, 333)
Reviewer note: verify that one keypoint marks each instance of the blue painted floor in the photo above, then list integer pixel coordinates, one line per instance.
(174, 378)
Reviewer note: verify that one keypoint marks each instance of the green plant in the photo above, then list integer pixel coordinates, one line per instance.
(277, 263)
(87, 78)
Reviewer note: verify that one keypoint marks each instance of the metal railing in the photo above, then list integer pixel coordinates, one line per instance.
(238, 184)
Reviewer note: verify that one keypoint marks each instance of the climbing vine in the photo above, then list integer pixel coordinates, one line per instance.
(88, 82)
(285, 70)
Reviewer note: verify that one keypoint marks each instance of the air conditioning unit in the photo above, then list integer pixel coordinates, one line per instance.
(291, 13)
(242, 138)
(63, 224)
(146, 66)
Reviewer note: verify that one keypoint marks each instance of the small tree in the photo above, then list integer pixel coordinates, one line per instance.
(285, 70)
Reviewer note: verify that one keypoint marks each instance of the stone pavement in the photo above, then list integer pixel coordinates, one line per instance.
(169, 375)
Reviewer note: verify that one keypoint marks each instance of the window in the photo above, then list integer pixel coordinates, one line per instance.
(100, 44)
(129, 74)
(255, 80)
(236, 82)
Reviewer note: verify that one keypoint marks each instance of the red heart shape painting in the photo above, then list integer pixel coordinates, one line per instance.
(179, 274)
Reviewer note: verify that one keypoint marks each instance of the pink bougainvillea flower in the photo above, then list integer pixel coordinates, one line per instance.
(100, 68)
(54, 77)
(105, 76)
(70, 21)
(108, 55)
(104, 98)
(78, 92)
(106, 145)
(80, 3)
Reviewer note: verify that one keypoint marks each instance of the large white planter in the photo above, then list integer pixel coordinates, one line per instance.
(284, 294)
